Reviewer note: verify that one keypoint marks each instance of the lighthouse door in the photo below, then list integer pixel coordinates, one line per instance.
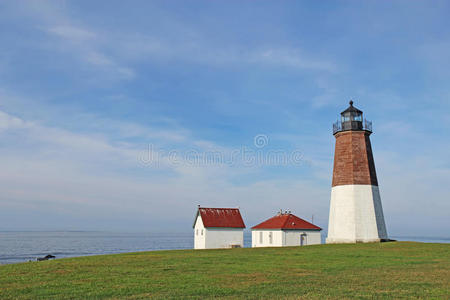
(303, 239)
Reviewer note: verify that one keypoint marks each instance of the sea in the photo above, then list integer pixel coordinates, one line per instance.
(23, 246)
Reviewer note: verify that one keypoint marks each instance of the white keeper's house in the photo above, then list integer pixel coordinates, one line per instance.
(285, 229)
(218, 228)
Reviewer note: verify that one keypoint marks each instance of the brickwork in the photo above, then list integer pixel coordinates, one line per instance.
(353, 159)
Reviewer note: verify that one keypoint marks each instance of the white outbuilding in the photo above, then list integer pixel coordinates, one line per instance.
(218, 228)
(285, 229)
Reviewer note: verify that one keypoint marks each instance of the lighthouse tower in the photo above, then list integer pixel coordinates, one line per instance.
(356, 214)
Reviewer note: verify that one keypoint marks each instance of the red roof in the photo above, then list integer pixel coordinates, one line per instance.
(221, 217)
(286, 221)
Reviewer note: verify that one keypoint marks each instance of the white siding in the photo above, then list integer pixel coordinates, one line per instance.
(224, 237)
(277, 238)
(216, 237)
(199, 238)
(310, 237)
(285, 237)
(356, 215)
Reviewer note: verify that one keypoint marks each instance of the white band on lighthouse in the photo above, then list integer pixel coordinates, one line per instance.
(356, 215)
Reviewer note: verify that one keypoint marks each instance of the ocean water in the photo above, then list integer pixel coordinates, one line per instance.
(16, 247)
(24, 246)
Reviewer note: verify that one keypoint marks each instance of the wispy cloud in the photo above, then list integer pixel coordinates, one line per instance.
(117, 54)
(83, 44)
(8, 122)
(291, 57)
(99, 86)
(71, 37)
(55, 168)
(200, 49)
(73, 34)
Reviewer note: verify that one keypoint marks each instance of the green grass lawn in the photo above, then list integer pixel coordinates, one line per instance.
(386, 270)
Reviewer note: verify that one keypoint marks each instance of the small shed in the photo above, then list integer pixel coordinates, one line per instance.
(285, 229)
(218, 228)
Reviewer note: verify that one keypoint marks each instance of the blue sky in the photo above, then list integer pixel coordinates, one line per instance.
(89, 89)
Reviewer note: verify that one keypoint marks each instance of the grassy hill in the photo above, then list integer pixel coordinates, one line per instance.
(387, 270)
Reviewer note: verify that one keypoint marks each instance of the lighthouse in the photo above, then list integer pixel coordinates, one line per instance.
(356, 214)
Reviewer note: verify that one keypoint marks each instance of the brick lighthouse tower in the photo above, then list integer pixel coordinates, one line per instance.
(356, 214)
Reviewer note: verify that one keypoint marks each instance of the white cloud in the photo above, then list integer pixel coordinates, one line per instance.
(291, 57)
(100, 173)
(84, 44)
(113, 52)
(77, 40)
(10, 122)
(202, 51)
(69, 36)
(61, 172)
(72, 33)
(64, 172)
(413, 192)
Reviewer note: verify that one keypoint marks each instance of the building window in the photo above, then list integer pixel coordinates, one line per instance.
(196, 232)
(270, 237)
(260, 237)
(202, 231)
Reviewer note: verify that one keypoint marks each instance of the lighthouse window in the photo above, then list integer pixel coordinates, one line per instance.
(345, 119)
(357, 118)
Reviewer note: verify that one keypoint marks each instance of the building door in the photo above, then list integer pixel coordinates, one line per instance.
(303, 239)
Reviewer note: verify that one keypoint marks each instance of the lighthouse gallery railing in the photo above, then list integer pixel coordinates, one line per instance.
(366, 125)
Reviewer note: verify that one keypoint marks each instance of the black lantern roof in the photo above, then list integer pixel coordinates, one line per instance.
(351, 109)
